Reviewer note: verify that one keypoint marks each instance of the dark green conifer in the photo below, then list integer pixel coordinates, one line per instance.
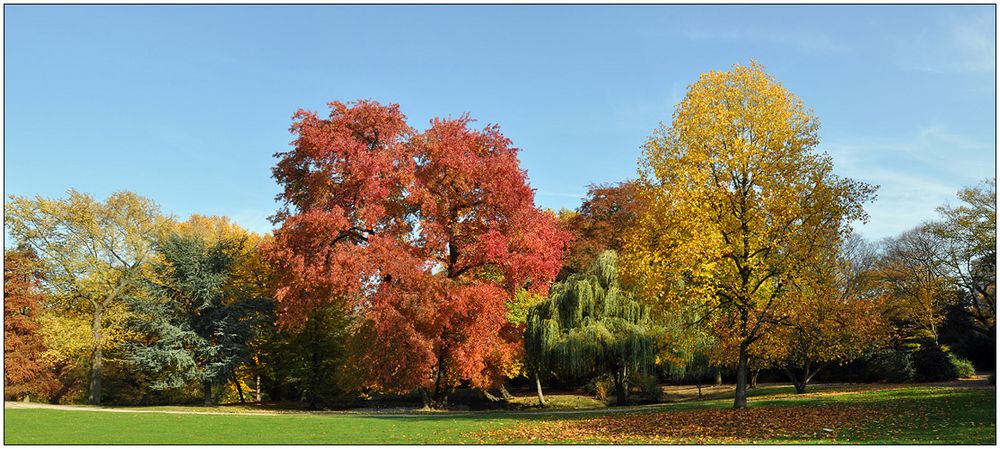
(195, 324)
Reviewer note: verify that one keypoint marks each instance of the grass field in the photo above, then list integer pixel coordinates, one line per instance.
(849, 414)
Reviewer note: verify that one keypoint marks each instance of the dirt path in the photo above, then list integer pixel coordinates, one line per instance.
(90, 408)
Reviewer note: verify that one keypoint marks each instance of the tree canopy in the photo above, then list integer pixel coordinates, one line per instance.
(590, 326)
(739, 204)
(600, 223)
(967, 253)
(24, 369)
(428, 235)
(93, 254)
(196, 326)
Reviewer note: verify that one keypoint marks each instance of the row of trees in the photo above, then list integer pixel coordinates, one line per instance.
(169, 302)
(418, 246)
(738, 224)
(416, 262)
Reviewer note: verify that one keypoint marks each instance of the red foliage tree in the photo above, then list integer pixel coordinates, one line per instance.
(426, 235)
(599, 223)
(24, 373)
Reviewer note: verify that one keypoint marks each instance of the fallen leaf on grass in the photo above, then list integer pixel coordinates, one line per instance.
(699, 426)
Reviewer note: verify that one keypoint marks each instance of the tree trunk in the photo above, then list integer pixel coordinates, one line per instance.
(753, 378)
(538, 388)
(63, 389)
(256, 386)
(504, 393)
(621, 393)
(933, 327)
(741, 380)
(699, 390)
(206, 391)
(440, 398)
(489, 396)
(96, 360)
(808, 376)
(425, 398)
(437, 399)
(239, 388)
(799, 386)
(621, 387)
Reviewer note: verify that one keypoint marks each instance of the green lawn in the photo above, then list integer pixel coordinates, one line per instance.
(912, 414)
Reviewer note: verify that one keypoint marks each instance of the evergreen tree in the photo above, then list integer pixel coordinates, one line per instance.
(589, 326)
(196, 323)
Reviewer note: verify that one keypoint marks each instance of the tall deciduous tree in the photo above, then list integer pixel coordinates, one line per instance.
(740, 203)
(834, 318)
(24, 369)
(911, 276)
(93, 253)
(427, 235)
(967, 254)
(590, 326)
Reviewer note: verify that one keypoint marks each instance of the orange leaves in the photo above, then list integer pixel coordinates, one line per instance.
(24, 372)
(698, 426)
(426, 235)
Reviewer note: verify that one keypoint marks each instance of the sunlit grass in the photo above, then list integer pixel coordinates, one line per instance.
(911, 414)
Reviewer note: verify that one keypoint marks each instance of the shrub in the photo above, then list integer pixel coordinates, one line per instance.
(889, 365)
(648, 387)
(963, 367)
(600, 387)
(933, 364)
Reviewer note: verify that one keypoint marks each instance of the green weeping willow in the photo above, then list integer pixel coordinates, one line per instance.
(590, 326)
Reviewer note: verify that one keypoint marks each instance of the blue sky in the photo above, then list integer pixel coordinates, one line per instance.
(187, 104)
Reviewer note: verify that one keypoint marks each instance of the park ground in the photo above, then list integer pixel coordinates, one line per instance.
(954, 413)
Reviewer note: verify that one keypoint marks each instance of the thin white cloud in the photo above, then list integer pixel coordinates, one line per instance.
(953, 45)
(677, 93)
(916, 173)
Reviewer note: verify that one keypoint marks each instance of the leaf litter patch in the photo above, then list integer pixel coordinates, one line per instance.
(694, 426)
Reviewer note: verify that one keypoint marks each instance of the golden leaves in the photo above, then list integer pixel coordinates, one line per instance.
(740, 201)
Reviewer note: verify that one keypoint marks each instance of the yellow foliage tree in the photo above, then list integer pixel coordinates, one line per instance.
(918, 295)
(94, 254)
(740, 203)
(839, 314)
